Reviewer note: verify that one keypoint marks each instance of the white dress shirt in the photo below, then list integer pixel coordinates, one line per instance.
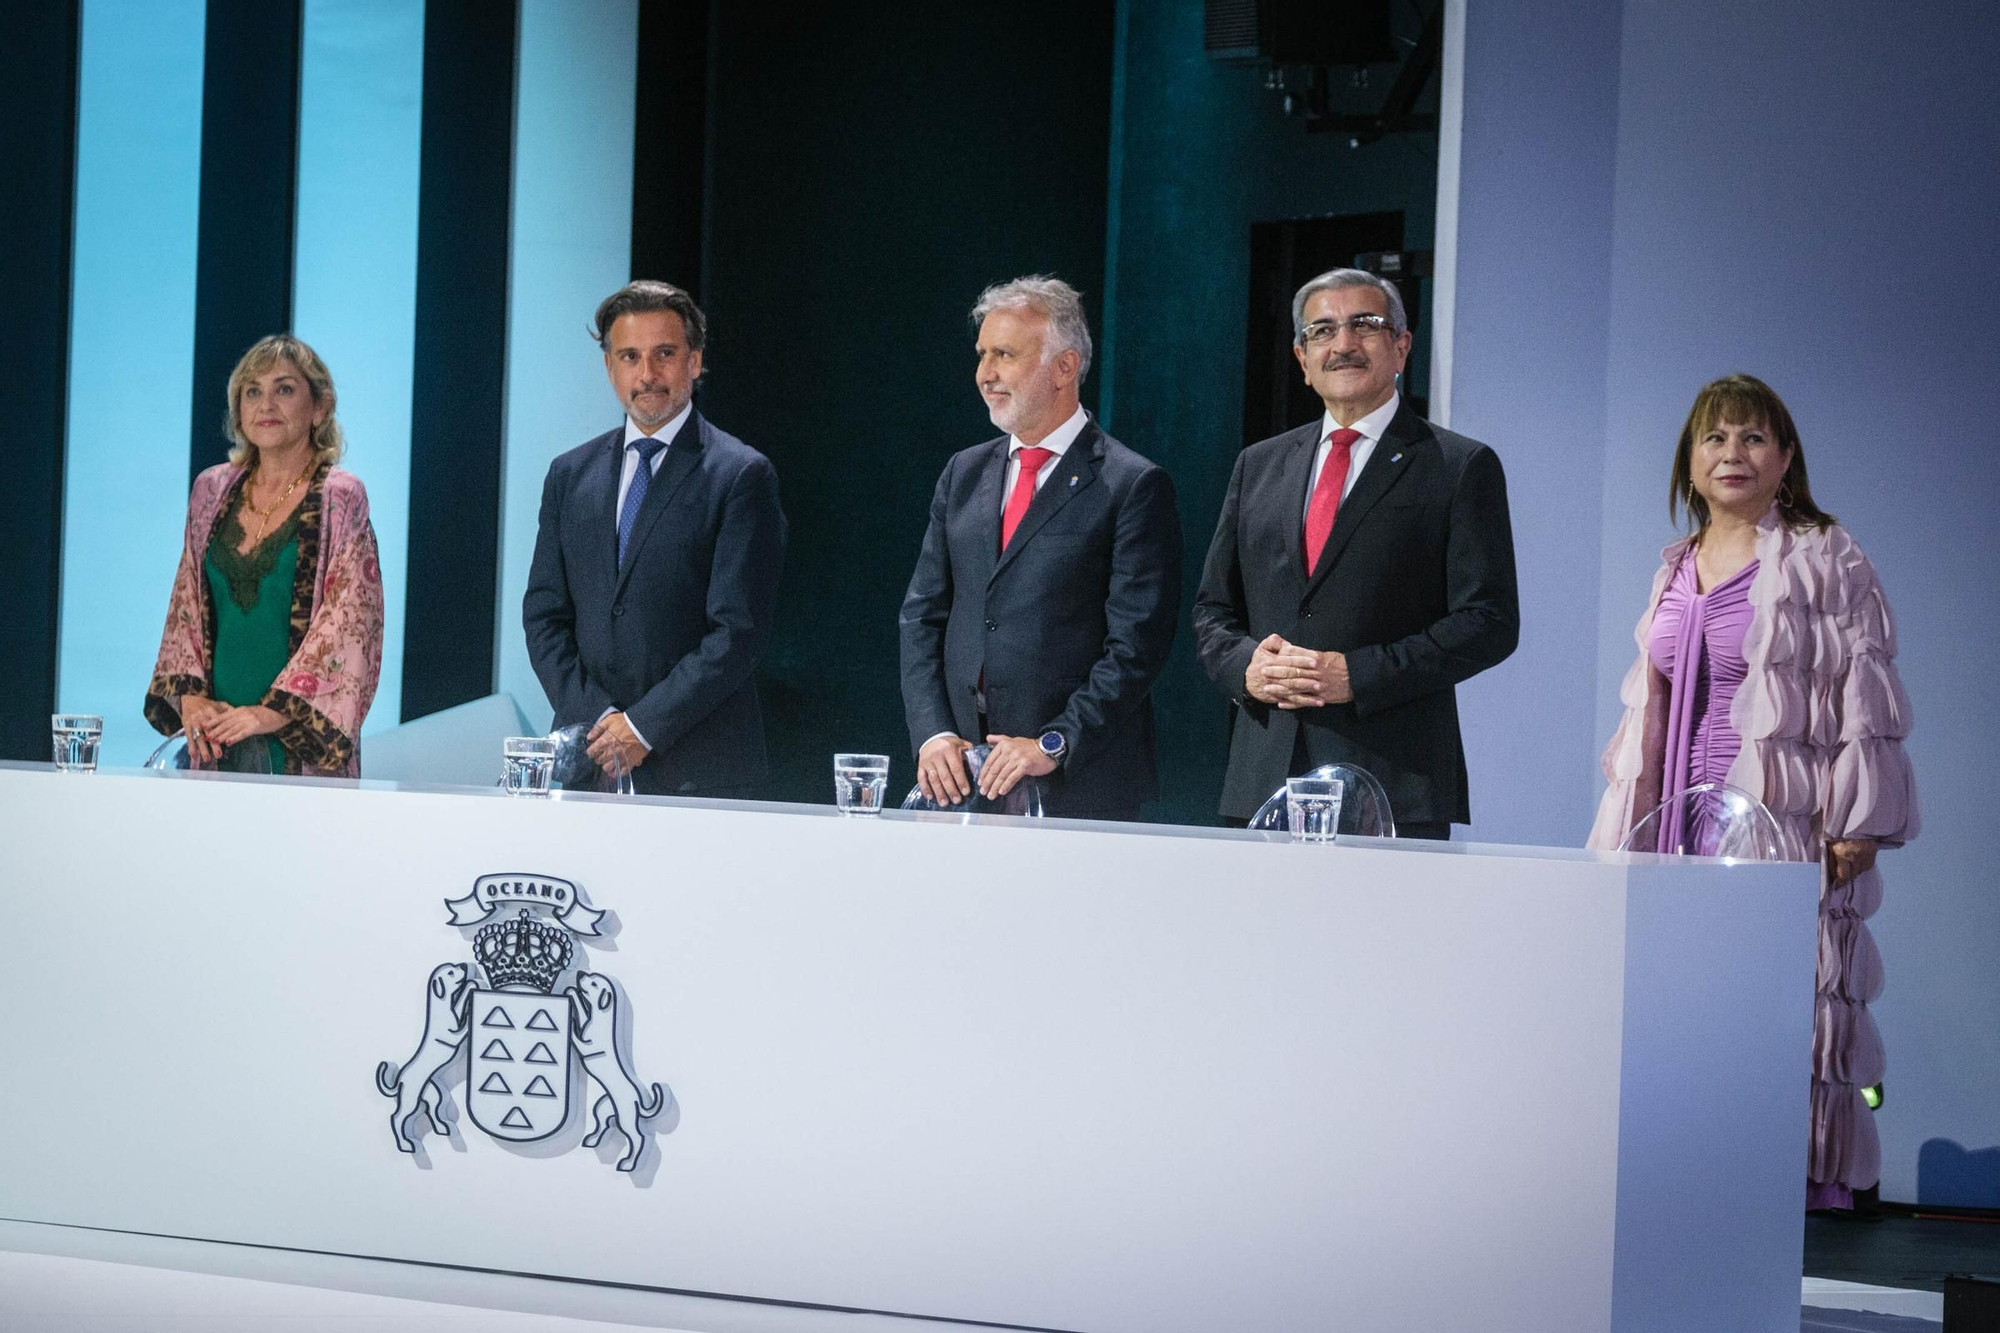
(1058, 442)
(1371, 428)
(628, 468)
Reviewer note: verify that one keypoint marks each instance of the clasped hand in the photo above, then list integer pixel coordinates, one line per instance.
(1011, 759)
(942, 775)
(1290, 677)
(614, 747)
(213, 727)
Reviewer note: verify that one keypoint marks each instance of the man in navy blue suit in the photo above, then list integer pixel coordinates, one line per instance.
(656, 567)
(1047, 591)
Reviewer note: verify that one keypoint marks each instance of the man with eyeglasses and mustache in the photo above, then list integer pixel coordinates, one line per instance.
(656, 567)
(1363, 566)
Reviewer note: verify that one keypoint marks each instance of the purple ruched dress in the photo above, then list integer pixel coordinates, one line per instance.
(1697, 644)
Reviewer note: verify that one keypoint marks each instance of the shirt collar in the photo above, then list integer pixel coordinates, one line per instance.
(665, 434)
(1059, 440)
(1370, 426)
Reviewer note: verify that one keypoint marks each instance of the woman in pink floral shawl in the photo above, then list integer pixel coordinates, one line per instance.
(1767, 661)
(273, 643)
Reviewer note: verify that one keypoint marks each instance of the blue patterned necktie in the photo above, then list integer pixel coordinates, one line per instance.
(635, 494)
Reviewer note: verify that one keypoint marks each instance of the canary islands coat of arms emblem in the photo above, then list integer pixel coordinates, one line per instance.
(506, 1022)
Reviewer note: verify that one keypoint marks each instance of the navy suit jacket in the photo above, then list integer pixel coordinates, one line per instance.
(1070, 626)
(673, 638)
(1415, 585)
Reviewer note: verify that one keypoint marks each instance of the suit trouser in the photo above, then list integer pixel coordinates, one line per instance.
(1123, 815)
(742, 791)
(1428, 830)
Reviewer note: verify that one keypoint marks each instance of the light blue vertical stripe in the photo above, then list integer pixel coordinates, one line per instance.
(571, 247)
(131, 354)
(354, 283)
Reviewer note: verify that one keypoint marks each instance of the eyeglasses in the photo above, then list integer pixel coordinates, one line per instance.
(1323, 331)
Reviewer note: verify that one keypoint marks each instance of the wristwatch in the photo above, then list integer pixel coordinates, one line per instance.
(1053, 745)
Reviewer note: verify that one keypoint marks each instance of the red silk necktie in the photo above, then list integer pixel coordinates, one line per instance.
(1024, 492)
(1325, 502)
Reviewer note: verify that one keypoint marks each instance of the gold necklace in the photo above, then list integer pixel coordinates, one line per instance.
(264, 515)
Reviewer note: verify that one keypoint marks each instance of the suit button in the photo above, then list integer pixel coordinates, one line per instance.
(618, 608)
(992, 624)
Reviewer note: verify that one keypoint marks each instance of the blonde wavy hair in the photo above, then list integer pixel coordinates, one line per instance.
(327, 441)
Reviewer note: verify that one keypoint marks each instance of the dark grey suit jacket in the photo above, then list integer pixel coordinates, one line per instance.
(674, 638)
(1070, 627)
(1415, 585)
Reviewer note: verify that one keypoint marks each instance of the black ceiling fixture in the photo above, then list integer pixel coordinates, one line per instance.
(1309, 48)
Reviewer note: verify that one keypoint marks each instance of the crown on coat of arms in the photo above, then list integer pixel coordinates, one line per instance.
(522, 954)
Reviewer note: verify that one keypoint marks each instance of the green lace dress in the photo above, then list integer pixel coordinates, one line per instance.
(252, 597)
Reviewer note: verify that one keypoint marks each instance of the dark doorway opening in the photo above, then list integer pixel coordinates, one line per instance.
(1283, 255)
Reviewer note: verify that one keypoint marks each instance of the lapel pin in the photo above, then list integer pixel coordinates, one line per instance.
(1072, 479)
(1397, 459)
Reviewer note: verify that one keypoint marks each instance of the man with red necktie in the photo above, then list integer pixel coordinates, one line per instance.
(1046, 593)
(1363, 566)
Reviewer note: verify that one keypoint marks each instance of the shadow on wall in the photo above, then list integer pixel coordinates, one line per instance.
(1951, 1176)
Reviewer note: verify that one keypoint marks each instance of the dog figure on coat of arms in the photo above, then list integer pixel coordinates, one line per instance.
(524, 1037)
(594, 1009)
(445, 1015)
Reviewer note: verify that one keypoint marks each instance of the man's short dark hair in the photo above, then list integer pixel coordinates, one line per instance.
(645, 296)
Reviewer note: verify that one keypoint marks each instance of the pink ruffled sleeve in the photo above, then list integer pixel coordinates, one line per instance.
(1871, 792)
(1632, 760)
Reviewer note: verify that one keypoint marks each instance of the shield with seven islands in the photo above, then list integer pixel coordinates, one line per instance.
(518, 1087)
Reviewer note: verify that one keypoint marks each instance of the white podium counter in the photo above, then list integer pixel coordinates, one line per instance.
(1059, 1075)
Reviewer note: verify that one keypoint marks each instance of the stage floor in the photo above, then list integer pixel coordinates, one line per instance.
(1900, 1251)
(78, 1280)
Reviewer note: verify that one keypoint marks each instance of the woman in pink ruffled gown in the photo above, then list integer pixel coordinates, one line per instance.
(1767, 661)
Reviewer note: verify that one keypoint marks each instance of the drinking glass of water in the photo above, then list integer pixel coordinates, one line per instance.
(1312, 808)
(75, 737)
(859, 783)
(527, 764)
